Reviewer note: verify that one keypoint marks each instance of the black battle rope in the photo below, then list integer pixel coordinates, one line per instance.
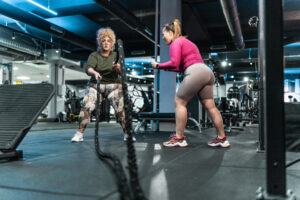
(137, 191)
(111, 160)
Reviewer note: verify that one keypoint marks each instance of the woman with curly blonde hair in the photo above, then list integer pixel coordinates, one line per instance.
(101, 64)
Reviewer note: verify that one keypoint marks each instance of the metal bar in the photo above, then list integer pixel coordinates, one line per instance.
(261, 132)
(155, 88)
(272, 34)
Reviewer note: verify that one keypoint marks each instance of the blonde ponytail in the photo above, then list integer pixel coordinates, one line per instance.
(174, 27)
(177, 29)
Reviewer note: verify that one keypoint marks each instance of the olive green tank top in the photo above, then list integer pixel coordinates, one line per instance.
(104, 66)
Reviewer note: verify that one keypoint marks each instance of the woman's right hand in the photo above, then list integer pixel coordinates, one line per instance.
(154, 65)
(97, 75)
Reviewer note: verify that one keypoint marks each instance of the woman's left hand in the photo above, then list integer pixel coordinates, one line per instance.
(154, 64)
(117, 67)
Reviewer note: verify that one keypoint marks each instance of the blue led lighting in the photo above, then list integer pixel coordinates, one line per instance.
(296, 44)
(249, 54)
(43, 7)
(292, 71)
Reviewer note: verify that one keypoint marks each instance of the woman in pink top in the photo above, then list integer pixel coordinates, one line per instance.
(198, 79)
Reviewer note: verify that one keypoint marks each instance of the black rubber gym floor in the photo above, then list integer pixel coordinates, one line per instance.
(54, 168)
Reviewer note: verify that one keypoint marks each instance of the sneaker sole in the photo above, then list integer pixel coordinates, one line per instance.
(220, 145)
(73, 141)
(125, 140)
(176, 145)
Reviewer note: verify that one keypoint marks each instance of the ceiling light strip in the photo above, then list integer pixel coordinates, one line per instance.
(43, 7)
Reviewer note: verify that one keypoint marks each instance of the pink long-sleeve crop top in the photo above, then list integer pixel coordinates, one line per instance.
(183, 53)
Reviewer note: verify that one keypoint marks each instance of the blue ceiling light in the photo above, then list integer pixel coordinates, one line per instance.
(296, 44)
(214, 54)
(43, 7)
(292, 71)
(147, 30)
(249, 54)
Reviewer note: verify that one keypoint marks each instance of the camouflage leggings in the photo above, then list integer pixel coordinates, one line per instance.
(113, 92)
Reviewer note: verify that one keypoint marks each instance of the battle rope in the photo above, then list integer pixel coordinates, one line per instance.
(131, 157)
(111, 160)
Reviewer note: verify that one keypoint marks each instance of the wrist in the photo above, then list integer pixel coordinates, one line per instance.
(156, 66)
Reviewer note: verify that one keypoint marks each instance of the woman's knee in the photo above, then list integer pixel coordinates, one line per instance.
(180, 102)
(89, 107)
(209, 104)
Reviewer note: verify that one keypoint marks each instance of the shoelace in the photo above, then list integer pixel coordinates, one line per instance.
(217, 139)
(174, 136)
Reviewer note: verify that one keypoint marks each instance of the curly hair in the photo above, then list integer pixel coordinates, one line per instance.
(105, 32)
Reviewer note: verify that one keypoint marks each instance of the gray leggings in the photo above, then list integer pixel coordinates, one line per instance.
(198, 79)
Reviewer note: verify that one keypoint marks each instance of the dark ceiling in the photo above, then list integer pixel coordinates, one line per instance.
(74, 28)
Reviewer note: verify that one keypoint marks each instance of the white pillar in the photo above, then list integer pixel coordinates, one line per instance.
(4, 73)
(5, 69)
(52, 106)
(57, 79)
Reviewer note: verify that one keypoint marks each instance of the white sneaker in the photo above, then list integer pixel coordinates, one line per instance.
(126, 136)
(176, 142)
(78, 137)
